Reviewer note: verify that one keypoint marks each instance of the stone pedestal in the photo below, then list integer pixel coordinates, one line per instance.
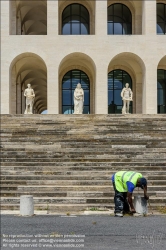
(140, 204)
(26, 205)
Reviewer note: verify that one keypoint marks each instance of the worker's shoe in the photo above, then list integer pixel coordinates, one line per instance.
(118, 214)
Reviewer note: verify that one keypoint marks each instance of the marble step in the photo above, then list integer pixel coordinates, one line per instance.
(70, 182)
(67, 188)
(47, 150)
(92, 159)
(86, 157)
(119, 145)
(84, 166)
(82, 120)
(59, 208)
(63, 173)
(74, 200)
(134, 136)
(13, 193)
(81, 177)
(78, 152)
(33, 150)
(70, 208)
(132, 133)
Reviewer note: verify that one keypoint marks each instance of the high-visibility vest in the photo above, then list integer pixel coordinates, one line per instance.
(122, 177)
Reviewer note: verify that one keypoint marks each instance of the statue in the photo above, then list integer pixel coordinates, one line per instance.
(78, 99)
(127, 97)
(30, 96)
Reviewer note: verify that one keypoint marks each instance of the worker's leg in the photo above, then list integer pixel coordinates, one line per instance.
(119, 202)
(126, 208)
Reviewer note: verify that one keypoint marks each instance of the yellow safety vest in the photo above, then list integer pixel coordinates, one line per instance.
(122, 177)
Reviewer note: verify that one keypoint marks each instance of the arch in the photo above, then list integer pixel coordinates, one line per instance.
(82, 62)
(28, 17)
(161, 86)
(119, 19)
(161, 91)
(162, 63)
(161, 18)
(89, 5)
(69, 83)
(135, 67)
(116, 81)
(27, 68)
(75, 20)
(135, 8)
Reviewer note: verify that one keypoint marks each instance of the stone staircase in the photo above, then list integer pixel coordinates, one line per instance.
(66, 161)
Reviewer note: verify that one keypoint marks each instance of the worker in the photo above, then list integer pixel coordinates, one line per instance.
(124, 183)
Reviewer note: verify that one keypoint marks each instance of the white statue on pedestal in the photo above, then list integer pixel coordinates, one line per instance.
(127, 97)
(78, 99)
(30, 96)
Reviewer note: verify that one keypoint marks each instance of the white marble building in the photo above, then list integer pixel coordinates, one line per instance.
(53, 45)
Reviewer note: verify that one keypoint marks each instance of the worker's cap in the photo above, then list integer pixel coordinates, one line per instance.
(143, 182)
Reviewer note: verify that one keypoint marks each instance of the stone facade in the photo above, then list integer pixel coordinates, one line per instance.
(53, 55)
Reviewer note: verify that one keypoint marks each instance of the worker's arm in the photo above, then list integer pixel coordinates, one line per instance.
(130, 201)
(145, 193)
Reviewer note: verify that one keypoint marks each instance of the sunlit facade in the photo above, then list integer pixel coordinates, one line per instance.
(101, 44)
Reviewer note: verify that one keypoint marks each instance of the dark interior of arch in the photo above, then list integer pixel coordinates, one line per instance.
(116, 82)
(75, 20)
(32, 70)
(161, 91)
(161, 18)
(119, 20)
(33, 16)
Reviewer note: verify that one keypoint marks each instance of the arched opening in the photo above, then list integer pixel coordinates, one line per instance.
(161, 86)
(135, 10)
(76, 17)
(116, 82)
(69, 83)
(161, 91)
(126, 68)
(76, 68)
(119, 20)
(75, 20)
(161, 18)
(28, 17)
(28, 68)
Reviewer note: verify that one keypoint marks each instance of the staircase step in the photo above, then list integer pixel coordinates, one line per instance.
(66, 161)
(109, 193)
(103, 188)
(91, 177)
(74, 200)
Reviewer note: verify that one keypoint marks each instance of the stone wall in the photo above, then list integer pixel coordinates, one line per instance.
(139, 54)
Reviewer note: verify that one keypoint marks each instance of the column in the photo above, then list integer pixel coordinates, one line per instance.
(52, 18)
(12, 13)
(138, 96)
(19, 28)
(101, 93)
(149, 88)
(101, 19)
(149, 17)
(52, 88)
(52, 64)
(4, 52)
(101, 88)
